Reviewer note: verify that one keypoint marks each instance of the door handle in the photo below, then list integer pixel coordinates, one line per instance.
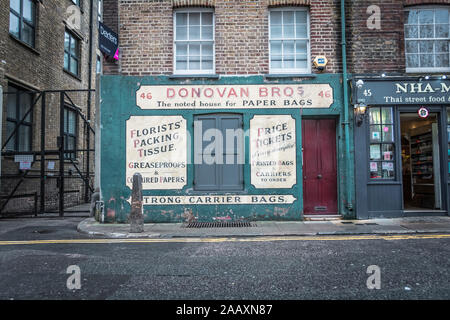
(319, 176)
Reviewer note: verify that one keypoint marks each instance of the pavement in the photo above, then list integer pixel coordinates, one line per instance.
(410, 225)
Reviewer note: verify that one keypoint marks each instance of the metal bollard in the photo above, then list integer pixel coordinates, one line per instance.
(136, 217)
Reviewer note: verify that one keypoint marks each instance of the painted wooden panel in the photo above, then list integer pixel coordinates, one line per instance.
(319, 166)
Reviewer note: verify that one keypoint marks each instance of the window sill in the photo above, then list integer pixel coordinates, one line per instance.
(193, 76)
(423, 72)
(289, 75)
(72, 74)
(383, 182)
(217, 192)
(26, 45)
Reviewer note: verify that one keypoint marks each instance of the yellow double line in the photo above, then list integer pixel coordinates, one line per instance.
(230, 239)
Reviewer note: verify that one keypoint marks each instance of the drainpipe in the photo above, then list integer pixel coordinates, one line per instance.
(89, 101)
(346, 111)
(1, 138)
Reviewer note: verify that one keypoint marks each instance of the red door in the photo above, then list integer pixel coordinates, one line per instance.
(319, 166)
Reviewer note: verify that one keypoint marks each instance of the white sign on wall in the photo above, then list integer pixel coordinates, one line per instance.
(273, 151)
(218, 199)
(157, 149)
(235, 96)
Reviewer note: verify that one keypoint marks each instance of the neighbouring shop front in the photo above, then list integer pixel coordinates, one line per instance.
(401, 146)
(228, 148)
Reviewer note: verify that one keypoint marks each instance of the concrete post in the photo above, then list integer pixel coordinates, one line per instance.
(136, 216)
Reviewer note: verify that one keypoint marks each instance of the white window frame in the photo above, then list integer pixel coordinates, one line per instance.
(307, 70)
(193, 72)
(100, 10)
(425, 69)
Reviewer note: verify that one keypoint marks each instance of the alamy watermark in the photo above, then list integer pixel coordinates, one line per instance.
(73, 17)
(374, 21)
(74, 280)
(374, 280)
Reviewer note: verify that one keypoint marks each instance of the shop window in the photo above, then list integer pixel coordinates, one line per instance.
(71, 53)
(194, 41)
(22, 20)
(18, 105)
(382, 146)
(70, 132)
(427, 39)
(218, 152)
(289, 40)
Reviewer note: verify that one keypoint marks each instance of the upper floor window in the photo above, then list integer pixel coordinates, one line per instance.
(194, 41)
(71, 53)
(427, 39)
(100, 10)
(289, 40)
(22, 20)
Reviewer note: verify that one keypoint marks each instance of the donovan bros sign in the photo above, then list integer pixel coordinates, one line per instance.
(235, 96)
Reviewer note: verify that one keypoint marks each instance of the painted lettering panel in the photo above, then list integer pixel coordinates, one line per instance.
(400, 92)
(218, 199)
(235, 96)
(157, 149)
(273, 151)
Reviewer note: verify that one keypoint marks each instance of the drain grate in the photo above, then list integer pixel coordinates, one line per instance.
(217, 224)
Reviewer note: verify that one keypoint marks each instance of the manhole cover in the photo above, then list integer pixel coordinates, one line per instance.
(216, 224)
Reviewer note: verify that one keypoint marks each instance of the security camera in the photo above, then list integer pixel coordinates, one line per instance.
(359, 83)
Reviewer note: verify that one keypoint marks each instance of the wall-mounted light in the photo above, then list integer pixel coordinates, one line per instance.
(360, 113)
(359, 83)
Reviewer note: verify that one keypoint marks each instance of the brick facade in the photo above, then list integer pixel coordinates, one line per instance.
(41, 68)
(241, 34)
(374, 51)
(379, 51)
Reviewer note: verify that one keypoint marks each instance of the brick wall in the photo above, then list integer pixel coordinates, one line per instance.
(111, 19)
(41, 68)
(378, 51)
(375, 51)
(241, 34)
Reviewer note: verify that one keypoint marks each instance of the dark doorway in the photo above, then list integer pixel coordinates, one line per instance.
(420, 162)
(319, 166)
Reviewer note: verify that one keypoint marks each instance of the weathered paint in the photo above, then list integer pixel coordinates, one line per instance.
(119, 104)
